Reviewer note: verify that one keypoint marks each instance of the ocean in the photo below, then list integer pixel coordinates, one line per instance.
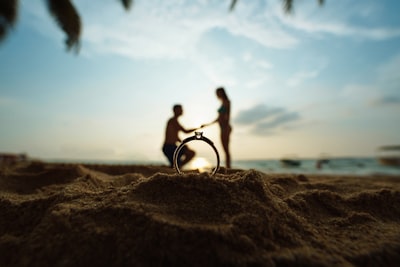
(337, 166)
(334, 166)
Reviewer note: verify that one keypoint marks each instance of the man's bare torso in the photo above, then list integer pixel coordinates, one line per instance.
(172, 131)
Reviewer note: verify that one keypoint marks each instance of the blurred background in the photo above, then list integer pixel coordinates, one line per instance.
(319, 81)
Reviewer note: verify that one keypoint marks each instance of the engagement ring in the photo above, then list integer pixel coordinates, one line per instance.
(197, 136)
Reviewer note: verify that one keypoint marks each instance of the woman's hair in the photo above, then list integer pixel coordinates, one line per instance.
(221, 91)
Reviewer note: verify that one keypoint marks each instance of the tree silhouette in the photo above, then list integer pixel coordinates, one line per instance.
(63, 12)
(68, 19)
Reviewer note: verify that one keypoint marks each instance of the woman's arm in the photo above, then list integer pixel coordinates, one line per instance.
(189, 130)
(211, 123)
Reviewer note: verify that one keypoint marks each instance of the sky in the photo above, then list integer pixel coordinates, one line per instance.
(323, 80)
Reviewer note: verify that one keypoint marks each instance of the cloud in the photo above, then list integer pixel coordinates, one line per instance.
(266, 120)
(171, 29)
(256, 113)
(388, 100)
(339, 19)
(164, 29)
(341, 29)
(301, 76)
(283, 120)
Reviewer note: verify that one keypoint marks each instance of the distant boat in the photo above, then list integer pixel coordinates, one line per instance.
(389, 155)
(286, 162)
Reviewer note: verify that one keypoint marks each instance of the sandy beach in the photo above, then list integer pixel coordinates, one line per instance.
(116, 215)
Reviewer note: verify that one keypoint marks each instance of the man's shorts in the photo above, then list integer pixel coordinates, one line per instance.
(169, 149)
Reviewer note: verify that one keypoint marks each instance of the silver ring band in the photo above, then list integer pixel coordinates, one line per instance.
(197, 136)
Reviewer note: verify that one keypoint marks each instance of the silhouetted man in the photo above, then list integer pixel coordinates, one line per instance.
(172, 139)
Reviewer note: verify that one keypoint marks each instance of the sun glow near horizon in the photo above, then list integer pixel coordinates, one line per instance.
(201, 164)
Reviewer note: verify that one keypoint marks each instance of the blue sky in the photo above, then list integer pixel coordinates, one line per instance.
(320, 80)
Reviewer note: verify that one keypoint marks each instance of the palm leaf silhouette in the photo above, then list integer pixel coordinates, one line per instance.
(287, 5)
(233, 4)
(127, 3)
(68, 19)
(63, 12)
(8, 16)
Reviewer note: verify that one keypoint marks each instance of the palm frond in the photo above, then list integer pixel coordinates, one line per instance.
(233, 4)
(8, 16)
(288, 5)
(127, 4)
(68, 19)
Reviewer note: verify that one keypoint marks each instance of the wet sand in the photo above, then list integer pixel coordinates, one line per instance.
(110, 215)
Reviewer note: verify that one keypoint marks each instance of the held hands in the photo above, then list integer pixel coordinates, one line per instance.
(202, 126)
(205, 125)
(198, 128)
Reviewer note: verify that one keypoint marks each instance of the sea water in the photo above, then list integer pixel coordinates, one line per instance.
(338, 166)
(334, 166)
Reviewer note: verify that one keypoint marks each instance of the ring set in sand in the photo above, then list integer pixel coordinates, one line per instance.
(197, 136)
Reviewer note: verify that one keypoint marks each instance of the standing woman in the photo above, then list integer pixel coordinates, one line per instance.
(223, 120)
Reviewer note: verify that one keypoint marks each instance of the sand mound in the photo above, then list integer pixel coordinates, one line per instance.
(86, 215)
(28, 178)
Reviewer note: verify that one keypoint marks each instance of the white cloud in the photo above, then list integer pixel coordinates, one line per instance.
(161, 29)
(250, 59)
(219, 71)
(264, 64)
(262, 33)
(257, 81)
(171, 29)
(337, 19)
(301, 76)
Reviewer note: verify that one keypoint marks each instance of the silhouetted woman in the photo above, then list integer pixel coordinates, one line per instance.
(223, 120)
